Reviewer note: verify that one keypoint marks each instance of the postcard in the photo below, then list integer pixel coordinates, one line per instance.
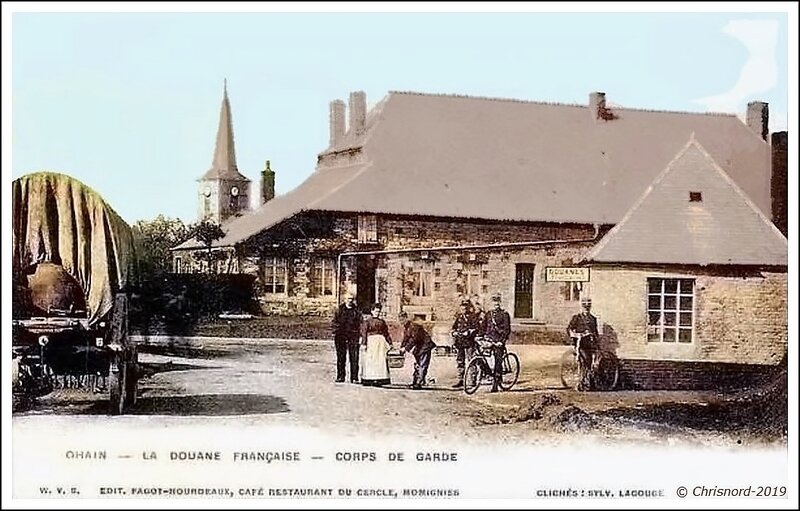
(398, 256)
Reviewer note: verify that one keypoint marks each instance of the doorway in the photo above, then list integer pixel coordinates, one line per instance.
(523, 291)
(365, 283)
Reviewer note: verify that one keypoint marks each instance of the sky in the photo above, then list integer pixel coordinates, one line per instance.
(129, 102)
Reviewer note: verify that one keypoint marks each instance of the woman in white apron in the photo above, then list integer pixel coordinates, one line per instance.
(375, 337)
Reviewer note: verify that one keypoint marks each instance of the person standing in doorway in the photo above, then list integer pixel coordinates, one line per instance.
(346, 329)
(418, 342)
(498, 329)
(582, 329)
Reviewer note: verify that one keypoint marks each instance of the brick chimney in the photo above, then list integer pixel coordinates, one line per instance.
(780, 176)
(597, 104)
(267, 184)
(358, 112)
(338, 127)
(758, 118)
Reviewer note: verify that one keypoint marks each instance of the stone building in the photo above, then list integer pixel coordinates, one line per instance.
(426, 199)
(694, 272)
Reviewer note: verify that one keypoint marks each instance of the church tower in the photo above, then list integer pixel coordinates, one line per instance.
(223, 191)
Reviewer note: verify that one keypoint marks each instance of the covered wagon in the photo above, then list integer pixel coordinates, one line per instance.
(73, 258)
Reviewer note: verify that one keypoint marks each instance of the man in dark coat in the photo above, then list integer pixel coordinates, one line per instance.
(582, 330)
(465, 328)
(497, 331)
(346, 330)
(418, 342)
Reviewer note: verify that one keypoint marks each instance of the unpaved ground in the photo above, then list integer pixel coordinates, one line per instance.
(291, 383)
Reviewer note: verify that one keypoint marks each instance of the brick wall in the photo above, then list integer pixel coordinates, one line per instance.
(673, 375)
(739, 317)
(779, 182)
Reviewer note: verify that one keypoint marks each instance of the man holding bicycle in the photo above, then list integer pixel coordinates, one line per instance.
(465, 328)
(497, 330)
(582, 330)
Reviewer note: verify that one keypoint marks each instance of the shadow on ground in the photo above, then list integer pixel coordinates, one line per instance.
(208, 405)
(147, 369)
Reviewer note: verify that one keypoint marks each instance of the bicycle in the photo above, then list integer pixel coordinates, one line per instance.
(480, 369)
(603, 373)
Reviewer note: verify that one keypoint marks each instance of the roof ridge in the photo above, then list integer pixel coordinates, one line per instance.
(555, 103)
(486, 98)
(612, 234)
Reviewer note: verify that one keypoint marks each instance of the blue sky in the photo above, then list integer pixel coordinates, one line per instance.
(129, 102)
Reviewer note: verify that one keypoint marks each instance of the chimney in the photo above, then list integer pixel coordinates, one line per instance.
(358, 112)
(597, 104)
(779, 185)
(758, 118)
(268, 183)
(337, 122)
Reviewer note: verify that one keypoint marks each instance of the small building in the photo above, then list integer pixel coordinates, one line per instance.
(694, 275)
(427, 199)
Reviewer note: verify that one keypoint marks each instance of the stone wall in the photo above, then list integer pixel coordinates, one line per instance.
(739, 316)
(493, 268)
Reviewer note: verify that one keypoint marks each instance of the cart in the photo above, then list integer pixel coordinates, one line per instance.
(73, 259)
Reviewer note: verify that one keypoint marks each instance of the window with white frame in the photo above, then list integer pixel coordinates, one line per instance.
(572, 291)
(670, 310)
(473, 278)
(178, 265)
(275, 275)
(423, 279)
(322, 277)
(367, 228)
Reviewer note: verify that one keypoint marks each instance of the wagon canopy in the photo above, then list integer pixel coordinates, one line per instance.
(58, 219)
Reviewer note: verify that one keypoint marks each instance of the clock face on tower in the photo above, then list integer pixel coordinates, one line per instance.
(207, 191)
(235, 191)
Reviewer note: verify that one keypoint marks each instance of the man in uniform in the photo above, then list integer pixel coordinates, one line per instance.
(477, 307)
(498, 329)
(582, 330)
(346, 330)
(464, 329)
(418, 342)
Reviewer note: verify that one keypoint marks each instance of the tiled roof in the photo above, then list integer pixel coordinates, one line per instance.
(693, 213)
(464, 157)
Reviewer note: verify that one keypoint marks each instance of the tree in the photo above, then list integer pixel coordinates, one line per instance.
(207, 232)
(156, 238)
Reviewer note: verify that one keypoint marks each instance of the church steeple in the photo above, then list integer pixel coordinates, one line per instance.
(224, 192)
(224, 162)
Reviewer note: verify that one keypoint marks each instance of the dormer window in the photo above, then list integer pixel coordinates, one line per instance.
(695, 196)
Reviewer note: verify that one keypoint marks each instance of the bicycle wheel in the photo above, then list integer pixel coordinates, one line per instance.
(570, 373)
(473, 375)
(606, 372)
(510, 371)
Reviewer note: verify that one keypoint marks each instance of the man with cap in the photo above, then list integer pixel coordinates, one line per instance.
(582, 329)
(346, 331)
(418, 342)
(497, 331)
(465, 328)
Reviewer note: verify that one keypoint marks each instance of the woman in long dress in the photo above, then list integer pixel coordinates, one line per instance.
(375, 336)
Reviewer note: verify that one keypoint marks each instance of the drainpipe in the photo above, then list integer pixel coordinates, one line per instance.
(456, 247)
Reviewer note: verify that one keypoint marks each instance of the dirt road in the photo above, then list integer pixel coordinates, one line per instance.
(287, 383)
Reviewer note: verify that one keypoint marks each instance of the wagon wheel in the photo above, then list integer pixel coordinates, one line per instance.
(132, 378)
(116, 386)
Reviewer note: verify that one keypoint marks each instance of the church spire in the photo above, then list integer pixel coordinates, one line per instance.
(224, 162)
